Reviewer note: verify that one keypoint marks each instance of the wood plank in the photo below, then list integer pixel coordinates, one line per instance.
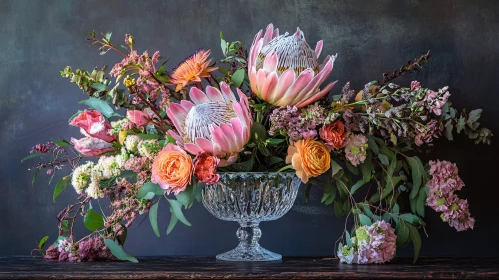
(289, 268)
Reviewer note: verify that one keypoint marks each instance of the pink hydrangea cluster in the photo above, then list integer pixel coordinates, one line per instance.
(444, 183)
(426, 134)
(371, 244)
(297, 124)
(356, 149)
(435, 101)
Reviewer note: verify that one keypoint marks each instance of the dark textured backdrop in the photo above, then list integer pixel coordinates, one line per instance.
(39, 38)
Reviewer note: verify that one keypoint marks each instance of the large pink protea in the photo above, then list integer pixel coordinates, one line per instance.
(284, 70)
(215, 122)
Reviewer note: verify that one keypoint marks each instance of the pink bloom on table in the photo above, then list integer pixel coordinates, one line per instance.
(91, 147)
(205, 167)
(138, 117)
(93, 124)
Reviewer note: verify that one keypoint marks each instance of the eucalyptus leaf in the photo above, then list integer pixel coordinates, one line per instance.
(118, 251)
(357, 186)
(153, 218)
(238, 78)
(416, 240)
(417, 174)
(177, 210)
(364, 220)
(173, 222)
(100, 106)
(371, 144)
(34, 156)
(148, 190)
(336, 170)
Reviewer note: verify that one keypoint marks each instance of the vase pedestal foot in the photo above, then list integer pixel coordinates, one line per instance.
(248, 248)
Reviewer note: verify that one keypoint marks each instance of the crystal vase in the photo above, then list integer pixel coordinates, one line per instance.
(250, 198)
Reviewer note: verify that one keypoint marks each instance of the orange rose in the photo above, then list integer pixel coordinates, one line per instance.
(172, 169)
(334, 134)
(310, 158)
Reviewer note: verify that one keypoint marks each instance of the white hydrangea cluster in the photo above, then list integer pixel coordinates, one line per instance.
(149, 148)
(81, 176)
(106, 168)
(132, 142)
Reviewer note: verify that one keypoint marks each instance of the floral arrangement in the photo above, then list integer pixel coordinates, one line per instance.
(151, 135)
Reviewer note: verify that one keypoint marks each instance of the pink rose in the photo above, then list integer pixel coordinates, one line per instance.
(93, 124)
(91, 147)
(138, 117)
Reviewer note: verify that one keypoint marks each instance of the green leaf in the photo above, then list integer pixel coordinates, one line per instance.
(473, 117)
(61, 185)
(100, 106)
(348, 238)
(244, 166)
(33, 156)
(183, 198)
(368, 211)
(416, 240)
(421, 202)
(448, 130)
(173, 222)
(58, 240)
(364, 220)
(98, 86)
(411, 218)
(237, 78)
(61, 143)
(417, 174)
(263, 150)
(352, 168)
(371, 144)
(34, 177)
(402, 235)
(258, 131)
(366, 167)
(274, 141)
(357, 186)
(336, 170)
(148, 136)
(148, 190)
(93, 220)
(177, 210)
(390, 185)
(118, 251)
(383, 159)
(396, 209)
(42, 242)
(153, 218)
(223, 45)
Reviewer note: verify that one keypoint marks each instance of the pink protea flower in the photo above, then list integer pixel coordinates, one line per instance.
(215, 123)
(283, 69)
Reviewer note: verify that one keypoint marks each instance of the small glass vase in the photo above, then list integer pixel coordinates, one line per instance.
(250, 198)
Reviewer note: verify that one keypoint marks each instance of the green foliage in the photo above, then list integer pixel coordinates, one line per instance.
(118, 251)
(61, 185)
(153, 218)
(357, 186)
(149, 190)
(177, 211)
(364, 220)
(417, 169)
(34, 156)
(100, 106)
(237, 78)
(93, 220)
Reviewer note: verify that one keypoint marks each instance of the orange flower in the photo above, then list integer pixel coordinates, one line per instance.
(205, 166)
(172, 169)
(334, 134)
(310, 158)
(192, 70)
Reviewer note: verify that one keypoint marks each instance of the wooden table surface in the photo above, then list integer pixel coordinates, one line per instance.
(288, 268)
